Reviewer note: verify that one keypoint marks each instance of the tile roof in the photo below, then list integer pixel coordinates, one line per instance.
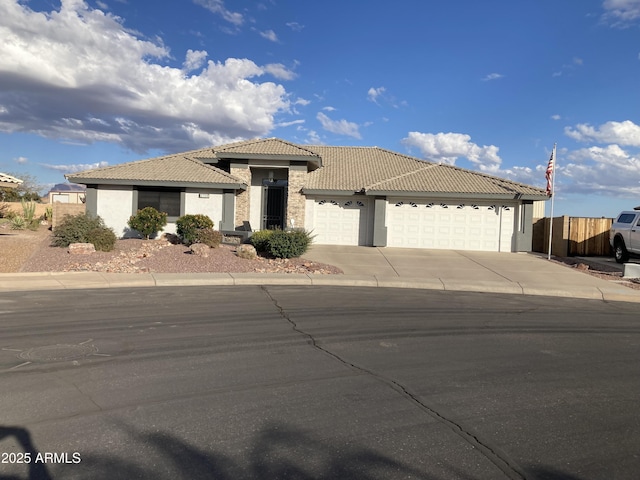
(266, 146)
(4, 178)
(171, 169)
(374, 169)
(350, 169)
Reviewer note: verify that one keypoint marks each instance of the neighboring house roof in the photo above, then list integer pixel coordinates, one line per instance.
(171, 170)
(9, 181)
(67, 187)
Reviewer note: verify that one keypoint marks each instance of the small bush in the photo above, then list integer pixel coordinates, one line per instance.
(209, 237)
(103, 238)
(74, 229)
(5, 211)
(187, 227)
(289, 244)
(260, 239)
(148, 221)
(18, 223)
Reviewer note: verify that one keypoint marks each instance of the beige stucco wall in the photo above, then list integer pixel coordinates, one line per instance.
(115, 206)
(211, 207)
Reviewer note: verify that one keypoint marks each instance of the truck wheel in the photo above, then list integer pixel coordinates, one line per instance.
(620, 251)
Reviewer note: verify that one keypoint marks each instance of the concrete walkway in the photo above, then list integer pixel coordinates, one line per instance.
(513, 273)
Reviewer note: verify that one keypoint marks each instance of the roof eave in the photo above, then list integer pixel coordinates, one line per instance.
(479, 196)
(157, 183)
(325, 191)
(267, 156)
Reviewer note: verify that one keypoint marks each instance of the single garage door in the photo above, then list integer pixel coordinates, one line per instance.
(339, 220)
(414, 223)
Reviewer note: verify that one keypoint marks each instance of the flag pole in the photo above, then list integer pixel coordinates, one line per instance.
(552, 165)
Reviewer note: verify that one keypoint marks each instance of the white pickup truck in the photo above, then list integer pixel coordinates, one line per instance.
(625, 235)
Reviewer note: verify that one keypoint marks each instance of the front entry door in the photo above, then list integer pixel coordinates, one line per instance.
(274, 203)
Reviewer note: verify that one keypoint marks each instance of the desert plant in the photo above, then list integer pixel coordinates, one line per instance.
(5, 211)
(187, 227)
(289, 244)
(103, 238)
(18, 223)
(260, 239)
(48, 213)
(148, 221)
(74, 229)
(209, 237)
(28, 210)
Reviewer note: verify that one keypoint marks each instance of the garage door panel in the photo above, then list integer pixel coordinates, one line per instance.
(419, 223)
(340, 221)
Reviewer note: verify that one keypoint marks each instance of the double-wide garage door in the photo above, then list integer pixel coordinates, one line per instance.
(415, 223)
(340, 220)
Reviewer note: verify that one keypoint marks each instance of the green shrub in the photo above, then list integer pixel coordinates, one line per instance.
(260, 240)
(289, 244)
(18, 223)
(74, 229)
(103, 238)
(209, 237)
(148, 221)
(187, 227)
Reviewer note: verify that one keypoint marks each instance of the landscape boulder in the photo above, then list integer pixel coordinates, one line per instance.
(200, 249)
(81, 248)
(246, 251)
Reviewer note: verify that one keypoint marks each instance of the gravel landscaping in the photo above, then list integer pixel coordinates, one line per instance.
(27, 251)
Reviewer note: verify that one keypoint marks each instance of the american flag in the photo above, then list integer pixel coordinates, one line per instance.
(549, 172)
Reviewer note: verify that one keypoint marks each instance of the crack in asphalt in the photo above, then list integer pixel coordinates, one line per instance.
(508, 467)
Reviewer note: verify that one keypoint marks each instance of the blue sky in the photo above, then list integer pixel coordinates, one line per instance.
(486, 85)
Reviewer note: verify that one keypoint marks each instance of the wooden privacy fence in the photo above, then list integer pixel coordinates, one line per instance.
(573, 236)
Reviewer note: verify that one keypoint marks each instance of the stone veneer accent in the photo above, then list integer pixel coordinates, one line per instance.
(243, 173)
(296, 200)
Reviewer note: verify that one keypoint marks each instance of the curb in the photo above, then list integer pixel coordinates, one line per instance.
(86, 280)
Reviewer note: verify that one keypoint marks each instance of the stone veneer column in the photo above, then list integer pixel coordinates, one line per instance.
(295, 197)
(243, 173)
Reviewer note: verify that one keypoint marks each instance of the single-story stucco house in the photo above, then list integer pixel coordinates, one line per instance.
(345, 195)
(66, 193)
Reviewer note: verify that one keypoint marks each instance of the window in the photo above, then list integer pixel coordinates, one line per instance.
(163, 200)
(626, 217)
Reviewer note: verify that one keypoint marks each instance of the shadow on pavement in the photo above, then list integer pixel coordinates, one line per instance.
(277, 452)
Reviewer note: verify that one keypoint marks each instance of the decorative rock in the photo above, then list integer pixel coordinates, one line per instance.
(246, 251)
(200, 249)
(582, 266)
(81, 248)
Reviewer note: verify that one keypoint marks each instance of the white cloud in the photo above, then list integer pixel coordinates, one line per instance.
(623, 133)
(374, 93)
(74, 168)
(610, 171)
(492, 76)
(621, 13)
(78, 74)
(341, 127)
(288, 124)
(269, 35)
(302, 101)
(329, 109)
(194, 60)
(448, 147)
(279, 71)
(217, 7)
(295, 26)
(21, 160)
(556, 117)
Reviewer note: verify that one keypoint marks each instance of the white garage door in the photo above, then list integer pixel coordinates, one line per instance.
(414, 223)
(339, 220)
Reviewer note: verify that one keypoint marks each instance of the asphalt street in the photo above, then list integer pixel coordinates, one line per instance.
(316, 383)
